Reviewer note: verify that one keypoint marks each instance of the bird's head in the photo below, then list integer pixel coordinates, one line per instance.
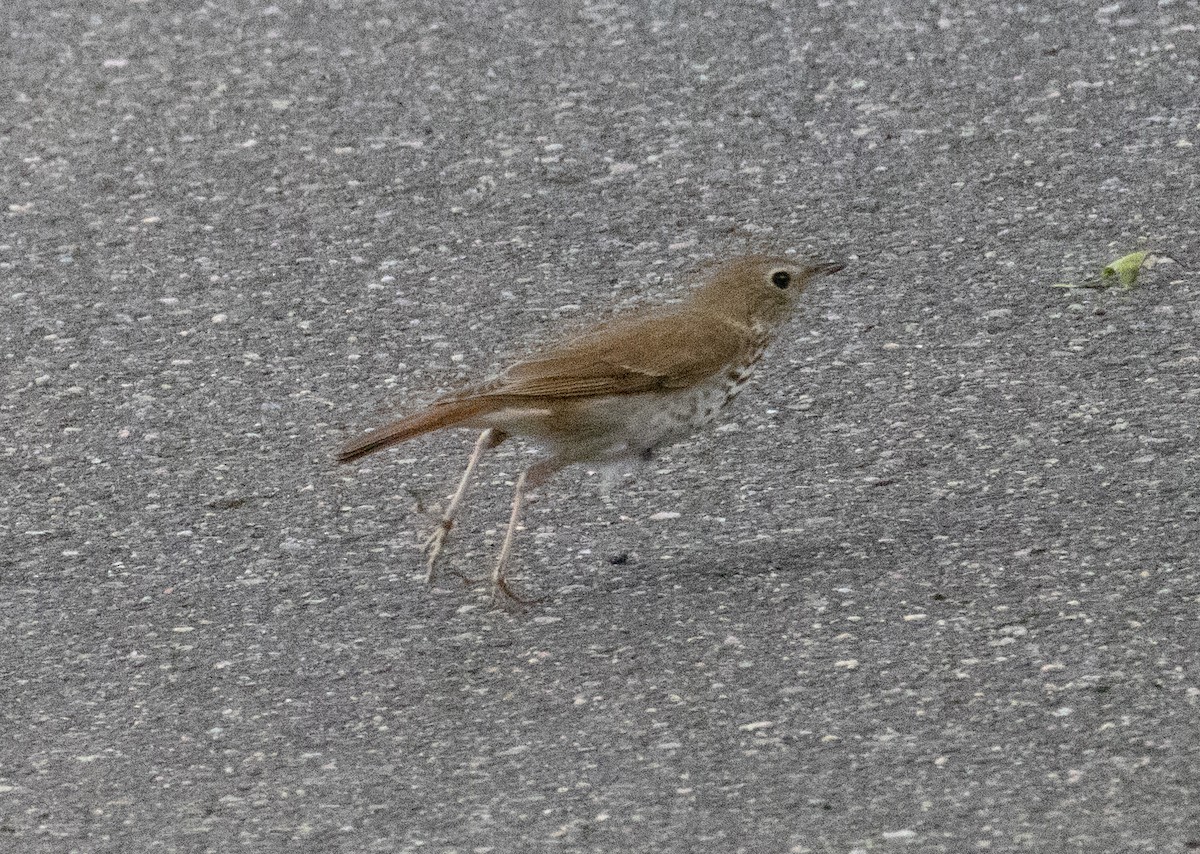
(759, 291)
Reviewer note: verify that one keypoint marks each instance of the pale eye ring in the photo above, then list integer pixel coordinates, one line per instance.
(781, 279)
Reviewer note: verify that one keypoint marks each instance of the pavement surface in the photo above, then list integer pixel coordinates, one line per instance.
(933, 586)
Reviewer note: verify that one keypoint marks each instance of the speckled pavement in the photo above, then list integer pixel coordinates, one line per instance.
(932, 586)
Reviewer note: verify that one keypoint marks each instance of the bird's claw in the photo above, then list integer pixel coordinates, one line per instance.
(433, 547)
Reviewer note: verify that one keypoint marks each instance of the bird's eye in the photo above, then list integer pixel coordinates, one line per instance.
(781, 278)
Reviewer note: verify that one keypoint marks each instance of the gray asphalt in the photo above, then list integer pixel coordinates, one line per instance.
(933, 586)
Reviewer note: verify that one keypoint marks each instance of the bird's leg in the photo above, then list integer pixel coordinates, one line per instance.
(529, 479)
(488, 439)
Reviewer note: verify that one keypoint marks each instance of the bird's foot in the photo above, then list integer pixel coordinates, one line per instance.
(433, 547)
(503, 594)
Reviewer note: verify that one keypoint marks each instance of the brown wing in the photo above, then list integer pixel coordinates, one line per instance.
(654, 353)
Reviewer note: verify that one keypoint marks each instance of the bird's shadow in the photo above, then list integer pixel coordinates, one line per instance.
(863, 550)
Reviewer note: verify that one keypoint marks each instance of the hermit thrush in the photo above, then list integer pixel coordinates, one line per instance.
(618, 391)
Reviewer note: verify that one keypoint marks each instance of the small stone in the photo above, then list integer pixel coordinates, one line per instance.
(751, 727)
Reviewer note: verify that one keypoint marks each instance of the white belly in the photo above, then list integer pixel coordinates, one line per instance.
(641, 423)
(610, 428)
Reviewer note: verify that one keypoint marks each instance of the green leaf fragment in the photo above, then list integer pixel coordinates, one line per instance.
(1125, 269)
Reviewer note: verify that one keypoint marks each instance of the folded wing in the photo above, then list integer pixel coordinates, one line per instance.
(656, 353)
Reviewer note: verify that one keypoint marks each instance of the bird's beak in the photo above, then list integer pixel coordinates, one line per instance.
(827, 267)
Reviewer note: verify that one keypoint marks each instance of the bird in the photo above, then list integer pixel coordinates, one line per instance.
(616, 392)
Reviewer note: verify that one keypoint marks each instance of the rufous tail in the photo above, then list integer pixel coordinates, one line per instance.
(436, 417)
